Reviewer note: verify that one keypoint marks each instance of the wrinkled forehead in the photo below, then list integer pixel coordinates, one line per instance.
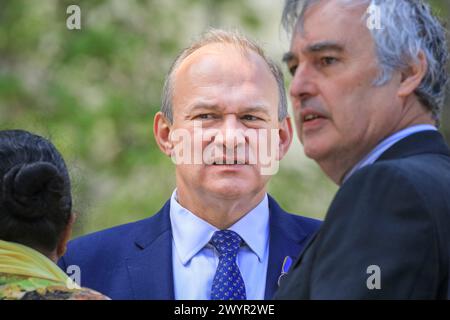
(222, 75)
(226, 64)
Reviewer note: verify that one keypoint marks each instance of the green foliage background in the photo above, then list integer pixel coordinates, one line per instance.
(94, 93)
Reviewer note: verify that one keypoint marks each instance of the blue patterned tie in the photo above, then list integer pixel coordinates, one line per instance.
(228, 283)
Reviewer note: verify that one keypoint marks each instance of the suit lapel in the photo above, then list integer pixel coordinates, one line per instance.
(150, 269)
(285, 240)
(309, 242)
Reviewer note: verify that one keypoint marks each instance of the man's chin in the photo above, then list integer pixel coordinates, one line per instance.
(313, 150)
(229, 190)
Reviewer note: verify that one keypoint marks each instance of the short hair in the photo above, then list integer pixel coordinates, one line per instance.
(224, 37)
(408, 27)
(35, 196)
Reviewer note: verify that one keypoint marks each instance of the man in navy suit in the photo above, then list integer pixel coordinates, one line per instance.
(220, 236)
(368, 87)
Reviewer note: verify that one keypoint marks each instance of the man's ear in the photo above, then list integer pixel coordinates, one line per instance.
(65, 236)
(161, 131)
(285, 133)
(413, 76)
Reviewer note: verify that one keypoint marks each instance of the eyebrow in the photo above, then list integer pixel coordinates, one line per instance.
(203, 106)
(288, 56)
(314, 48)
(325, 46)
(256, 108)
(252, 108)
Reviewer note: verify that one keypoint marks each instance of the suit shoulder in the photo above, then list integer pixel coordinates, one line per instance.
(309, 224)
(117, 235)
(112, 234)
(294, 221)
(390, 188)
(418, 172)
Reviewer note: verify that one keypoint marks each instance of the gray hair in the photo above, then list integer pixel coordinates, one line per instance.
(408, 28)
(221, 36)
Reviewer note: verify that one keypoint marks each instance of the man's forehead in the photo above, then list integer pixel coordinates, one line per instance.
(224, 64)
(327, 19)
(216, 53)
(203, 57)
(220, 60)
(214, 78)
(330, 26)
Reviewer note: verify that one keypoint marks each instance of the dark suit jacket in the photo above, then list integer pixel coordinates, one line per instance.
(134, 261)
(394, 214)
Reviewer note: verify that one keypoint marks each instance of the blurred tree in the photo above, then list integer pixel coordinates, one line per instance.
(442, 8)
(94, 92)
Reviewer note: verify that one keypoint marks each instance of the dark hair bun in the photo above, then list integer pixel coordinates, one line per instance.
(33, 190)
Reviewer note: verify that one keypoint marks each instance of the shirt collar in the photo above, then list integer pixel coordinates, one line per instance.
(372, 156)
(254, 228)
(191, 233)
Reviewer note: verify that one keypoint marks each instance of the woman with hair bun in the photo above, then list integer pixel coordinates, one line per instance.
(35, 220)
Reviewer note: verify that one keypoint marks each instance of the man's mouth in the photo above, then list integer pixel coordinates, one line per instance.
(228, 163)
(311, 117)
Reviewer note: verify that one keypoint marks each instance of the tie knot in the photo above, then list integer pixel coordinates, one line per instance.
(226, 241)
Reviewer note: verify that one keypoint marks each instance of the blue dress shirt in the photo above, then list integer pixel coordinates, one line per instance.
(195, 261)
(386, 144)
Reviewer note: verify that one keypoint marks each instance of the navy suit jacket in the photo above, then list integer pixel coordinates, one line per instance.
(134, 261)
(393, 214)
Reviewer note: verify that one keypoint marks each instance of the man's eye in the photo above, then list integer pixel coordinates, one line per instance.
(204, 116)
(249, 117)
(327, 61)
(292, 70)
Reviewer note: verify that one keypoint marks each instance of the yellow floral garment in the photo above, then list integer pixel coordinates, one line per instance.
(14, 287)
(26, 274)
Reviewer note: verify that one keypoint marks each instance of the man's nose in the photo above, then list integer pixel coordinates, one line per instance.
(231, 122)
(233, 131)
(303, 85)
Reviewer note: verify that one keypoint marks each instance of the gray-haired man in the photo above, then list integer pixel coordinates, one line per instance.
(368, 87)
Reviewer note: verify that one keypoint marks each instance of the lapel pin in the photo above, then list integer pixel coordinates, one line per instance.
(285, 268)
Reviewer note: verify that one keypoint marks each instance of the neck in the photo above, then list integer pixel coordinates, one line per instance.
(219, 211)
(52, 255)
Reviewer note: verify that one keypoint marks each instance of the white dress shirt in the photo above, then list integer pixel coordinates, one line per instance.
(195, 261)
